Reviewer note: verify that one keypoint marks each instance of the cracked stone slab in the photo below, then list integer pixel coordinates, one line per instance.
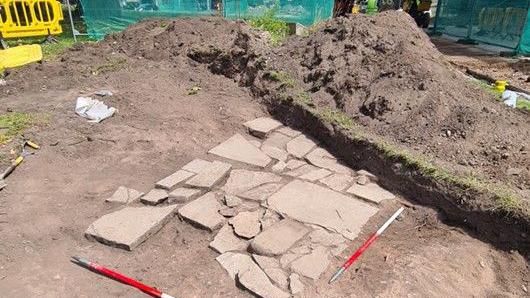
(130, 226)
(174, 180)
(300, 146)
(277, 140)
(226, 240)
(323, 159)
(197, 165)
(124, 195)
(246, 224)
(234, 262)
(239, 149)
(260, 127)
(279, 238)
(313, 264)
(183, 195)
(242, 180)
(257, 282)
(371, 192)
(154, 197)
(203, 212)
(305, 169)
(316, 175)
(314, 204)
(262, 192)
(289, 131)
(210, 176)
(272, 268)
(338, 182)
(295, 164)
(274, 152)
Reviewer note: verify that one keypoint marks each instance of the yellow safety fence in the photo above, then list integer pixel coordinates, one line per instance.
(26, 18)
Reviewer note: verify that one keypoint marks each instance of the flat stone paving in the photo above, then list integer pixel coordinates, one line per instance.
(239, 149)
(125, 195)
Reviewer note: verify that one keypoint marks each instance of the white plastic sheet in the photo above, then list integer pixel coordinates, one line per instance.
(93, 109)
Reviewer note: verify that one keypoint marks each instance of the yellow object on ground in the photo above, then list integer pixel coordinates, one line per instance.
(500, 85)
(21, 55)
(26, 18)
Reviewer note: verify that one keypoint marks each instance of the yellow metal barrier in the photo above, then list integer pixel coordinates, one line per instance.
(26, 18)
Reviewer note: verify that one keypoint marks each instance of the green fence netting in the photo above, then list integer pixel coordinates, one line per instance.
(497, 22)
(106, 16)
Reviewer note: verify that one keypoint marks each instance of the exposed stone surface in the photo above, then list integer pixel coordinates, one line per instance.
(232, 201)
(313, 264)
(338, 182)
(363, 180)
(295, 163)
(203, 212)
(295, 284)
(269, 218)
(324, 238)
(305, 169)
(272, 268)
(278, 238)
(371, 192)
(367, 174)
(261, 192)
(239, 149)
(130, 226)
(279, 167)
(316, 175)
(234, 262)
(288, 258)
(196, 166)
(249, 206)
(210, 175)
(174, 180)
(266, 262)
(225, 240)
(277, 140)
(323, 159)
(183, 195)
(123, 195)
(243, 180)
(260, 127)
(246, 224)
(289, 132)
(310, 203)
(255, 143)
(337, 250)
(257, 282)
(228, 211)
(274, 152)
(302, 248)
(154, 197)
(300, 146)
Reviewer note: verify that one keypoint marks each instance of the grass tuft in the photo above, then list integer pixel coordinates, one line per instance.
(282, 77)
(13, 125)
(269, 22)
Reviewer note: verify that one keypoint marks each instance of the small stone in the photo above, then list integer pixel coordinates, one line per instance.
(269, 218)
(323, 159)
(203, 212)
(289, 132)
(312, 265)
(525, 289)
(242, 180)
(228, 211)
(260, 127)
(155, 197)
(183, 195)
(246, 224)
(305, 169)
(257, 282)
(122, 195)
(279, 167)
(316, 175)
(481, 263)
(196, 166)
(362, 180)
(239, 149)
(210, 176)
(174, 180)
(103, 93)
(300, 146)
(275, 153)
(233, 262)
(371, 192)
(232, 201)
(262, 192)
(277, 140)
(295, 284)
(367, 174)
(278, 238)
(225, 240)
(295, 164)
(338, 182)
(514, 171)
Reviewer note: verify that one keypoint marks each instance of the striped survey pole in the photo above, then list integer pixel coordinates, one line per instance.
(365, 245)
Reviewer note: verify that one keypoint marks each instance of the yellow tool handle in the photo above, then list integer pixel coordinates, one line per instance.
(32, 145)
(18, 160)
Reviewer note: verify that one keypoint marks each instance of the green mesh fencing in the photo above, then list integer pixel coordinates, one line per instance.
(496, 22)
(306, 12)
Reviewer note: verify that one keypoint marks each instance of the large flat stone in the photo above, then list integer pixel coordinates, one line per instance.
(314, 204)
(260, 127)
(262, 192)
(197, 165)
(323, 159)
(274, 152)
(295, 163)
(210, 175)
(277, 140)
(239, 149)
(371, 192)
(124, 195)
(242, 180)
(203, 212)
(278, 238)
(129, 227)
(316, 175)
(174, 180)
(300, 146)
(257, 282)
(225, 240)
(234, 262)
(154, 197)
(305, 169)
(338, 182)
(272, 268)
(313, 264)
(246, 224)
(183, 195)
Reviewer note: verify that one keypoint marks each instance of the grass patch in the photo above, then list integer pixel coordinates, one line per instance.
(13, 125)
(113, 64)
(523, 104)
(269, 22)
(282, 77)
(304, 98)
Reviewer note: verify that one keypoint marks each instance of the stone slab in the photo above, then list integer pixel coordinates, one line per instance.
(295, 163)
(277, 140)
(272, 268)
(316, 175)
(338, 182)
(246, 224)
(275, 153)
(269, 218)
(203, 212)
(228, 211)
(305, 169)
(257, 282)
(323, 159)
(314, 204)
(300, 146)
(242, 180)
(197, 165)
(124, 195)
(154, 197)
(234, 262)
(225, 240)
(367, 174)
(239, 149)
(279, 167)
(232, 201)
(278, 238)
(260, 127)
(289, 131)
(183, 195)
(262, 192)
(295, 284)
(313, 264)
(324, 238)
(371, 192)
(130, 226)
(174, 180)
(210, 176)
